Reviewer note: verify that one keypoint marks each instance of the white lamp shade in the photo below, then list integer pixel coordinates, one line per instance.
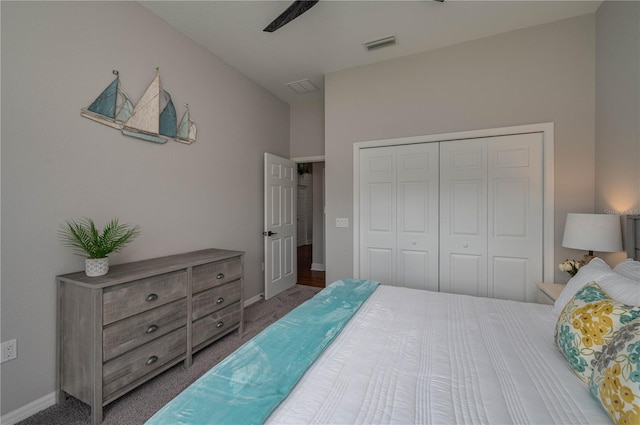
(593, 232)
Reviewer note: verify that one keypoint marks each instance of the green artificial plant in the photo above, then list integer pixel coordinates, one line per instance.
(83, 237)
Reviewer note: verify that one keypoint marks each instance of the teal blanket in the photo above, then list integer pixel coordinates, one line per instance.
(246, 386)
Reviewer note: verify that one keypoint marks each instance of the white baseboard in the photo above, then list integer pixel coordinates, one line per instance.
(29, 409)
(317, 267)
(252, 300)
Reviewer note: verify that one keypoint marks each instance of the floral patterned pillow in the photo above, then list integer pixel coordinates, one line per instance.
(615, 379)
(587, 323)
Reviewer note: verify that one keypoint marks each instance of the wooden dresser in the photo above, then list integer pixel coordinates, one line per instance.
(119, 330)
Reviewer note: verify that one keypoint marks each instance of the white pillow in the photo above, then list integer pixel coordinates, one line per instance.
(629, 268)
(593, 271)
(621, 288)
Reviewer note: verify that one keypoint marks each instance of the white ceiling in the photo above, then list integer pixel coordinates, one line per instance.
(330, 36)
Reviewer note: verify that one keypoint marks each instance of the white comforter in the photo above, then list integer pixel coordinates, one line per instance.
(419, 357)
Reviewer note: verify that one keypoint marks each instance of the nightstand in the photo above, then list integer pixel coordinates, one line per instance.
(548, 292)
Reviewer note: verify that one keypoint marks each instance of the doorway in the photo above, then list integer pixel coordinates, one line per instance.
(310, 224)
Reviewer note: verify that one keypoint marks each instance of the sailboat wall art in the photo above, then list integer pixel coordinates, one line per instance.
(187, 129)
(113, 107)
(153, 118)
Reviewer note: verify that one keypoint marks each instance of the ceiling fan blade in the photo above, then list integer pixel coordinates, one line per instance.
(296, 9)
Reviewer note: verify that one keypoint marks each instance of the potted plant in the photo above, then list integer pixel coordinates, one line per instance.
(83, 237)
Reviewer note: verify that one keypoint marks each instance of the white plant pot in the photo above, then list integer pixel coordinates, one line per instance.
(94, 267)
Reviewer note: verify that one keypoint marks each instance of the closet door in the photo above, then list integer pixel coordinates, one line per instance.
(463, 217)
(378, 214)
(399, 215)
(417, 216)
(515, 248)
(491, 209)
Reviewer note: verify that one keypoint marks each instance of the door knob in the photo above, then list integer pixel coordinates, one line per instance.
(269, 233)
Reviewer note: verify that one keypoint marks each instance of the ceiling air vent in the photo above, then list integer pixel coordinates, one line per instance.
(302, 86)
(380, 43)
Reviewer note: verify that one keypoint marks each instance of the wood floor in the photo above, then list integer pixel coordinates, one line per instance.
(306, 276)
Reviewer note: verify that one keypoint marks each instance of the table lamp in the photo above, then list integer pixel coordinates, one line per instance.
(592, 232)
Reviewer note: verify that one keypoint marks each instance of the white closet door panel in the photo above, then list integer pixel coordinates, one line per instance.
(380, 201)
(417, 215)
(466, 203)
(466, 274)
(378, 215)
(515, 212)
(414, 269)
(380, 265)
(463, 217)
(509, 278)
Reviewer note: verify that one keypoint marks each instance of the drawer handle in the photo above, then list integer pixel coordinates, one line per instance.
(220, 300)
(151, 297)
(151, 360)
(220, 276)
(220, 324)
(152, 329)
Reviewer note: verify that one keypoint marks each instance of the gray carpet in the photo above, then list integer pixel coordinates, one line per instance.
(140, 404)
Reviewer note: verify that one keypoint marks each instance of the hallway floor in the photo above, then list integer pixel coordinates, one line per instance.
(306, 276)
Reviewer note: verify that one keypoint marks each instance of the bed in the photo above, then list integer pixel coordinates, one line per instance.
(409, 356)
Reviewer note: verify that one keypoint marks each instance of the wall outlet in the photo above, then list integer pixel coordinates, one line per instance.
(9, 351)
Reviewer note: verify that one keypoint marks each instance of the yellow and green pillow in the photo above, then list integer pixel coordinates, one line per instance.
(615, 380)
(600, 338)
(587, 323)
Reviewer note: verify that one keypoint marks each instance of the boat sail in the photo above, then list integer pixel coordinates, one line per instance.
(112, 107)
(154, 115)
(186, 129)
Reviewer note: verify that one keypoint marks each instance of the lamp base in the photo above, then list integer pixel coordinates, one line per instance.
(587, 258)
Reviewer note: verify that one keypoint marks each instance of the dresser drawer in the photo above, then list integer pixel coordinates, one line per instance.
(135, 297)
(122, 371)
(215, 324)
(214, 299)
(209, 275)
(126, 334)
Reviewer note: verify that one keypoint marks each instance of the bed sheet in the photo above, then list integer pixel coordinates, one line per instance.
(420, 357)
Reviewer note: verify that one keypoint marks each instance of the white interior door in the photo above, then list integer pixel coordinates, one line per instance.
(279, 224)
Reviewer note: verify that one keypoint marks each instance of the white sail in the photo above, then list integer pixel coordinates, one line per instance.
(192, 131)
(146, 114)
(186, 129)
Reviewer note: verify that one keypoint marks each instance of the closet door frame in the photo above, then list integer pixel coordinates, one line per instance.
(547, 130)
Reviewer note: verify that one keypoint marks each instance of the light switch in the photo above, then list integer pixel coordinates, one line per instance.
(342, 222)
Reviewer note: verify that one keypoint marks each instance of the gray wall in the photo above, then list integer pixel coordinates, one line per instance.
(617, 169)
(307, 129)
(317, 254)
(56, 58)
(541, 74)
